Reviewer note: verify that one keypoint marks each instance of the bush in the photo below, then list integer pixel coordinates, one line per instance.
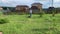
(2, 21)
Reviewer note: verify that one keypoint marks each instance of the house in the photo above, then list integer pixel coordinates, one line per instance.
(36, 7)
(22, 8)
(1, 8)
(50, 10)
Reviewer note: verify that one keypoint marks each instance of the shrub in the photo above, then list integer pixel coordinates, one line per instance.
(2, 21)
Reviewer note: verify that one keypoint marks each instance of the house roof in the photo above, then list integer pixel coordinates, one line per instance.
(21, 6)
(37, 3)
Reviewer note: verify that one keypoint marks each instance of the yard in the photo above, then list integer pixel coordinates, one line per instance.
(20, 24)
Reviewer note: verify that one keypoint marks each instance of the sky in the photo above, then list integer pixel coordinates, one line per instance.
(13, 3)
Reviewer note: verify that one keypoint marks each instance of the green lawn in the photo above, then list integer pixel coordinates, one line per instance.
(20, 24)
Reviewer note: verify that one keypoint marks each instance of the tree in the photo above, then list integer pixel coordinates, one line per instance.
(4, 8)
(41, 13)
(53, 11)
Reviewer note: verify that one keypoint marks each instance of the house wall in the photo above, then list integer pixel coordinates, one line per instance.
(35, 11)
(22, 9)
(38, 8)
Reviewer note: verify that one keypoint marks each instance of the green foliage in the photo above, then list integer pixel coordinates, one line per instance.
(2, 21)
(20, 24)
(41, 13)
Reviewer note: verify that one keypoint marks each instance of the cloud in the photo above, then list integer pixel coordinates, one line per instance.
(56, 0)
(46, 3)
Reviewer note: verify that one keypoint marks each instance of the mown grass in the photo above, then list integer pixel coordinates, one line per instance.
(20, 24)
